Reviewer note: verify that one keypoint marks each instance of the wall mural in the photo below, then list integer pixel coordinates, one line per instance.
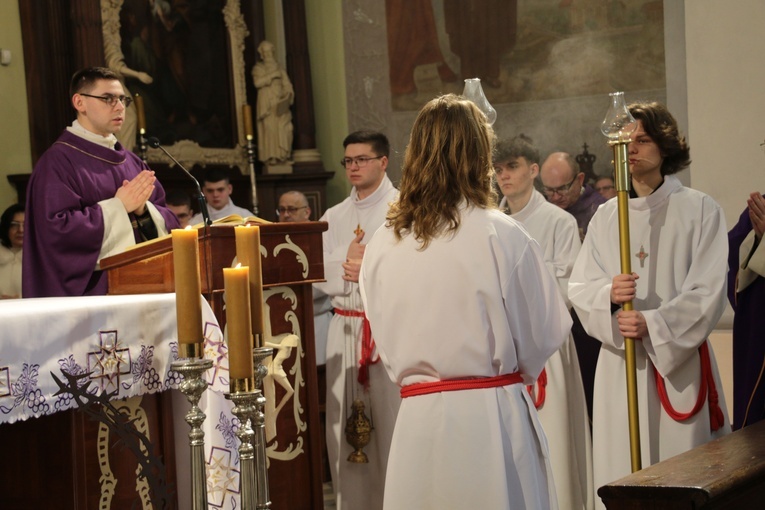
(547, 66)
(523, 50)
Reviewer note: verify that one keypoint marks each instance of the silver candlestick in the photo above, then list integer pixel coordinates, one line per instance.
(244, 409)
(192, 387)
(259, 355)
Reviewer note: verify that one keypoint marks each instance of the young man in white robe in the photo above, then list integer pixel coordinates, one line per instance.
(679, 249)
(351, 367)
(560, 402)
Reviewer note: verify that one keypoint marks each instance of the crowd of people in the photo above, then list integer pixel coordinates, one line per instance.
(482, 335)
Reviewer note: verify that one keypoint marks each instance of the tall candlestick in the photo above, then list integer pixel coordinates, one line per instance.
(188, 291)
(248, 253)
(247, 114)
(141, 114)
(238, 325)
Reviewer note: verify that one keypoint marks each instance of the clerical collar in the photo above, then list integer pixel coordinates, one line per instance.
(633, 193)
(105, 141)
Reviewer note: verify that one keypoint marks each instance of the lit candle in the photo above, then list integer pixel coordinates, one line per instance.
(141, 114)
(248, 254)
(247, 113)
(238, 326)
(188, 287)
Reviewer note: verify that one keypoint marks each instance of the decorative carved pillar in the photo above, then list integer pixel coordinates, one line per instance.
(299, 70)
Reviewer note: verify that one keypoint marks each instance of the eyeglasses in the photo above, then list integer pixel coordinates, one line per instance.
(112, 100)
(290, 210)
(17, 224)
(560, 190)
(360, 161)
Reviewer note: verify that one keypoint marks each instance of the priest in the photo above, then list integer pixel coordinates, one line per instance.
(679, 249)
(88, 197)
(746, 292)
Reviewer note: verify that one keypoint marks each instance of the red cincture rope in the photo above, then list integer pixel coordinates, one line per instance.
(426, 388)
(541, 385)
(708, 388)
(367, 345)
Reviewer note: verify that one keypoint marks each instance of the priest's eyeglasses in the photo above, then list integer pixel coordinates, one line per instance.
(112, 100)
(288, 210)
(361, 161)
(560, 190)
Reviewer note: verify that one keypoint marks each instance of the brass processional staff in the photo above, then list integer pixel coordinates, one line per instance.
(618, 126)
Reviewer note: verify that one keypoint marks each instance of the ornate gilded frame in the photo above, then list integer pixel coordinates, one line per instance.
(189, 152)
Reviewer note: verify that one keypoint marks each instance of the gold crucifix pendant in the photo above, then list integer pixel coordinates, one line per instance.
(358, 230)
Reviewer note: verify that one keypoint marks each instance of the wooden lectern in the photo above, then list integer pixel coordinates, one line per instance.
(292, 259)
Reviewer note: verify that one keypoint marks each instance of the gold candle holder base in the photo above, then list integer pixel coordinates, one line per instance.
(242, 385)
(195, 350)
(193, 386)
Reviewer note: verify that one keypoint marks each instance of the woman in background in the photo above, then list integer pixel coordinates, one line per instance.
(11, 242)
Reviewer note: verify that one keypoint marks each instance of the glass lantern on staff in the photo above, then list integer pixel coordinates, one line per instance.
(618, 126)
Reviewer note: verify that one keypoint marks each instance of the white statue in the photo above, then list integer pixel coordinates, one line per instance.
(275, 96)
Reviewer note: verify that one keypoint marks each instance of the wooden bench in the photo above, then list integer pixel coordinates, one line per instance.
(727, 473)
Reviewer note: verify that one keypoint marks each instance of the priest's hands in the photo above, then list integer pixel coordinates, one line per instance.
(134, 193)
(632, 324)
(757, 213)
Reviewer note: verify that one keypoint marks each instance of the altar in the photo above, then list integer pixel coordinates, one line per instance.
(106, 355)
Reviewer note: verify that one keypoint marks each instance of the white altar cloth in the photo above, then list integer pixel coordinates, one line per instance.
(126, 344)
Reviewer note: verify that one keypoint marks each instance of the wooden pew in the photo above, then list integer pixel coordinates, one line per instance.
(727, 473)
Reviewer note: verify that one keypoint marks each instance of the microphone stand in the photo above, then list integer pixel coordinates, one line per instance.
(154, 143)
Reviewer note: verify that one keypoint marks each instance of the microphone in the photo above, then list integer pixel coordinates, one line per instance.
(153, 142)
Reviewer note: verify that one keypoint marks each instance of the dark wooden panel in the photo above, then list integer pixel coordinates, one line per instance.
(55, 461)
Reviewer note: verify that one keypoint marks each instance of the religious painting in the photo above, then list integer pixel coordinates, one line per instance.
(523, 50)
(185, 60)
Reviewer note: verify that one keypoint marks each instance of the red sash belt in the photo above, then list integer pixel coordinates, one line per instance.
(367, 344)
(708, 389)
(426, 388)
(541, 385)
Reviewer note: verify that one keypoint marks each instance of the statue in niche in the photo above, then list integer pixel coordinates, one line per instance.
(274, 119)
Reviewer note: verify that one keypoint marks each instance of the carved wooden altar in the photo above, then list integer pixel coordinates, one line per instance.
(292, 258)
